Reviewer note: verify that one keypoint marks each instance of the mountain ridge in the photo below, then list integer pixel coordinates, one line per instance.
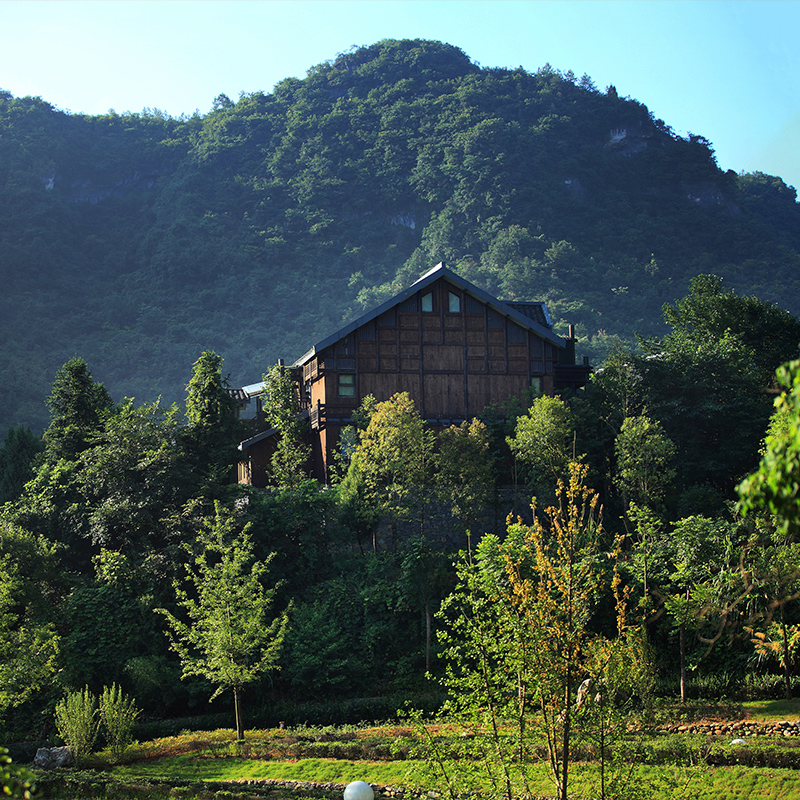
(137, 241)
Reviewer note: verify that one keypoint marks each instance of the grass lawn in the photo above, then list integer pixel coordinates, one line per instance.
(772, 710)
(382, 755)
(317, 770)
(651, 782)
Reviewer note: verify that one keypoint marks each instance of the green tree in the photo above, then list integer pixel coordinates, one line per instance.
(358, 516)
(281, 403)
(214, 430)
(133, 479)
(774, 490)
(465, 475)
(772, 586)
(690, 571)
(29, 645)
(78, 406)
(519, 640)
(707, 377)
(395, 461)
(769, 333)
(543, 440)
(229, 638)
(109, 624)
(358, 512)
(775, 486)
(644, 461)
(20, 448)
(324, 650)
(350, 436)
(125, 490)
(423, 578)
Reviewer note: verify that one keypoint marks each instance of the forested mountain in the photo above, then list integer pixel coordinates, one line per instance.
(137, 241)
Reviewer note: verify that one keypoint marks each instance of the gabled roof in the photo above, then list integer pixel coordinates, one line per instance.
(440, 271)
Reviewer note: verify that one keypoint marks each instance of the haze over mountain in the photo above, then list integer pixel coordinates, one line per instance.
(138, 241)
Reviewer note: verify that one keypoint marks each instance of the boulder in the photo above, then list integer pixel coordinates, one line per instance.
(52, 758)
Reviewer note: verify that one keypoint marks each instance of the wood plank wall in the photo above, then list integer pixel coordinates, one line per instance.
(452, 364)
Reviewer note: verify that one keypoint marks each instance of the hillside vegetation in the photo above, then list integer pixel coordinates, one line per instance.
(136, 241)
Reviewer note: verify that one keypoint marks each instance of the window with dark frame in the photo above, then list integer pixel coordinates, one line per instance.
(347, 384)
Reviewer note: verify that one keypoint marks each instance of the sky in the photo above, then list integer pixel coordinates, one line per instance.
(728, 70)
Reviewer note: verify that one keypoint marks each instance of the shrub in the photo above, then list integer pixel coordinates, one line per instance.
(77, 723)
(118, 716)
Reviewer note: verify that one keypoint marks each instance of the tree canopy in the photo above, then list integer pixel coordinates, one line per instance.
(257, 228)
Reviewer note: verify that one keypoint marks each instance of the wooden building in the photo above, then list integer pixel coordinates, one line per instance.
(450, 345)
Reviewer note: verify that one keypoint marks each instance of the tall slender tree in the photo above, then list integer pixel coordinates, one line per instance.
(227, 635)
(214, 429)
(519, 642)
(282, 410)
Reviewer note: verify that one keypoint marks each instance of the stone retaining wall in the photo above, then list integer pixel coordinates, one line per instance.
(740, 728)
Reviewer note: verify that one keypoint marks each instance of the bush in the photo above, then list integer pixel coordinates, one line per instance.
(759, 686)
(118, 716)
(77, 723)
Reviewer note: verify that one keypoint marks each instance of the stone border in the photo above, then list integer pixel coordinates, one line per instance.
(740, 728)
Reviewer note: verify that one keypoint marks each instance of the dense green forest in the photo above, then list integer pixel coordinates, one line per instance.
(128, 558)
(139, 240)
(121, 534)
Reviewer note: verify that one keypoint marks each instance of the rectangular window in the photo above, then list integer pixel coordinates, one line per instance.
(347, 384)
(453, 303)
(427, 302)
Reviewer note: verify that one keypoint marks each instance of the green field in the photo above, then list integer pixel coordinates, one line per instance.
(207, 765)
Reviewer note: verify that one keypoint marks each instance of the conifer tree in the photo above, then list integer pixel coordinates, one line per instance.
(78, 405)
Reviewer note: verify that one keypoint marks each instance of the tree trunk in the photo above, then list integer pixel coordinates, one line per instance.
(602, 753)
(238, 711)
(787, 667)
(682, 639)
(427, 636)
(565, 743)
(683, 661)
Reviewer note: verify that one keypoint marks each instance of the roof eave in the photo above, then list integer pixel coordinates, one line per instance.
(439, 271)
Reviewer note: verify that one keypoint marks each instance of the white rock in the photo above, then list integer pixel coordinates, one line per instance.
(358, 790)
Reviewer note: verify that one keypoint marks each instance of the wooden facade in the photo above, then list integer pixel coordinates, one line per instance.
(450, 345)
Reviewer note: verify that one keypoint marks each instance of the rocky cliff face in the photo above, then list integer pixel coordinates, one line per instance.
(93, 190)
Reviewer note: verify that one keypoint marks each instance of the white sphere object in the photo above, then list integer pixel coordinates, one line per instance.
(738, 741)
(358, 790)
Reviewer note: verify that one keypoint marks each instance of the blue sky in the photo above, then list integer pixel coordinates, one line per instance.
(728, 70)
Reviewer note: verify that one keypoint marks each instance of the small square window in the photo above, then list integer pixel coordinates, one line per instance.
(427, 302)
(347, 384)
(453, 303)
